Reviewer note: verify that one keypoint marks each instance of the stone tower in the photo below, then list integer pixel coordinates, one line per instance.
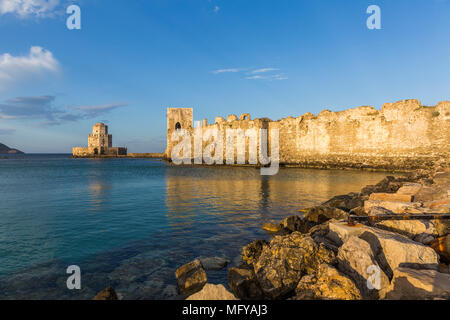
(100, 138)
(99, 144)
(178, 118)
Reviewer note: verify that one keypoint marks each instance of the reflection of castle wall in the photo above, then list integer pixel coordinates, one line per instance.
(230, 191)
(400, 136)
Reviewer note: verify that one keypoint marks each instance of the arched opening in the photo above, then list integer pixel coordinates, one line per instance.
(245, 116)
(178, 126)
(96, 151)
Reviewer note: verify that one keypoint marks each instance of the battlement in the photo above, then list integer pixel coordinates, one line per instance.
(402, 135)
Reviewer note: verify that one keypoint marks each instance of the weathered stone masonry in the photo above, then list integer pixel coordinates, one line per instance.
(401, 136)
(99, 144)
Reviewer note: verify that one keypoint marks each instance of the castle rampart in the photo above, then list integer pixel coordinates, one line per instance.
(401, 136)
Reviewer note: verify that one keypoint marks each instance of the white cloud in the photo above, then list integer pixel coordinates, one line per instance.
(216, 9)
(256, 74)
(233, 70)
(15, 68)
(26, 8)
(263, 70)
(268, 77)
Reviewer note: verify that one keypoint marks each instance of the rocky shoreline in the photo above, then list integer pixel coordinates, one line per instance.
(322, 254)
(318, 254)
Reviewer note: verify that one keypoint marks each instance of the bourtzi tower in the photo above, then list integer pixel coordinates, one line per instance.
(99, 143)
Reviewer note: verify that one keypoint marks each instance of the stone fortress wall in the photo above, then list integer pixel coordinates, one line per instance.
(401, 136)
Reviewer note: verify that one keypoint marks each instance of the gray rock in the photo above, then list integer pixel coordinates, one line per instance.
(191, 277)
(345, 202)
(213, 263)
(242, 282)
(321, 214)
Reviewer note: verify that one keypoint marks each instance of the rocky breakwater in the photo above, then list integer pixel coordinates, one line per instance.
(320, 255)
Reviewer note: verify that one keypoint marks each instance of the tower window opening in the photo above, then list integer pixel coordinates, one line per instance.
(178, 126)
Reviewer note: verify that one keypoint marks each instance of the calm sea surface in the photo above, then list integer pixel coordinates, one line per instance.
(130, 223)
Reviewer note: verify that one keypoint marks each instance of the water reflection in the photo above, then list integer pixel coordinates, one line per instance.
(238, 195)
(99, 189)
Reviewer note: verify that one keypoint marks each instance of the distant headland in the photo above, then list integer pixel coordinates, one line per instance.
(4, 149)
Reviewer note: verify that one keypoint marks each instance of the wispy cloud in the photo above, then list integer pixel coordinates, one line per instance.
(94, 111)
(28, 8)
(43, 108)
(268, 77)
(16, 68)
(229, 70)
(264, 70)
(216, 9)
(255, 74)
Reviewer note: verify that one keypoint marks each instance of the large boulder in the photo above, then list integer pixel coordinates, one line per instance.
(287, 258)
(440, 206)
(431, 193)
(410, 189)
(321, 214)
(271, 227)
(414, 229)
(357, 260)
(394, 250)
(191, 277)
(213, 263)
(389, 184)
(345, 202)
(328, 283)
(212, 292)
(390, 249)
(340, 232)
(252, 251)
(391, 197)
(413, 284)
(242, 282)
(295, 223)
(394, 206)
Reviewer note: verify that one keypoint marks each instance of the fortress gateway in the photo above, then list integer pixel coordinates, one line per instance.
(99, 144)
(402, 135)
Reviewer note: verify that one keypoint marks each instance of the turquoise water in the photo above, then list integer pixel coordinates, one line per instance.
(130, 223)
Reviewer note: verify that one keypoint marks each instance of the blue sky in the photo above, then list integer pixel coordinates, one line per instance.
(271, 58)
